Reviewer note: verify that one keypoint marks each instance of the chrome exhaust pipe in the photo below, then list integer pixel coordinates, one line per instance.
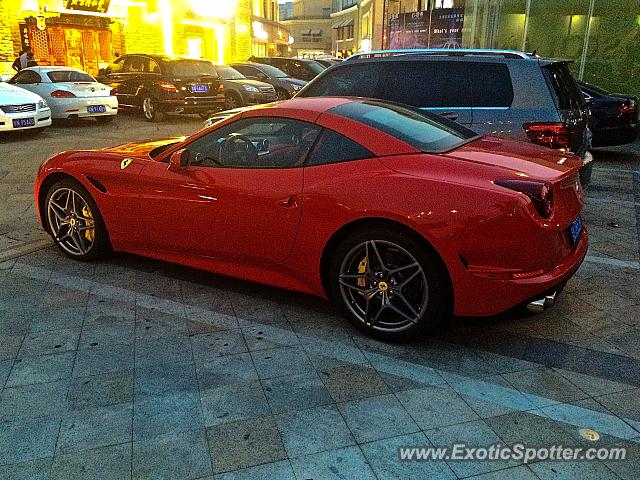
(541, 304)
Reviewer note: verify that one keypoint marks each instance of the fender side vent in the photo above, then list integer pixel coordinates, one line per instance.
(97, 184)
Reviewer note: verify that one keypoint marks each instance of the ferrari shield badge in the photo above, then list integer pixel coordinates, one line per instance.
(125, 163)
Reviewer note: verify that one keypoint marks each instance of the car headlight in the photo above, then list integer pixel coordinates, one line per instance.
(251, 88)
(42, 104)
(297, 87)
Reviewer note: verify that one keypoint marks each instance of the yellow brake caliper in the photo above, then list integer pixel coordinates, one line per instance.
(362, 268)
(89, 233)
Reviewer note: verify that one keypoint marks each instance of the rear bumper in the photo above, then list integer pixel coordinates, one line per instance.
(615, 135)
(79, 107)
(192, 105)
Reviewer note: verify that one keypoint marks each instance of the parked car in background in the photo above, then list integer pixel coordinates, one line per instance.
(157, 84)
(499, 92)
(286, 86)
(327, 62)
(302, 69)
(240, 90)
(614, 118)
(21, 109)
(70, 93)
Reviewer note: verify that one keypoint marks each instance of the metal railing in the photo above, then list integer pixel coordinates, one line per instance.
(451, 52)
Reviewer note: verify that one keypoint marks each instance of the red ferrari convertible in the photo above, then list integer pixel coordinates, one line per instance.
(401, 217)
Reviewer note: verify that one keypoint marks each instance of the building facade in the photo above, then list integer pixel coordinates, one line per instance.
(309, 22)
(357, 26)
(88, 34)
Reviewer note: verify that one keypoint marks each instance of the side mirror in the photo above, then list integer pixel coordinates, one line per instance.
(179, 160)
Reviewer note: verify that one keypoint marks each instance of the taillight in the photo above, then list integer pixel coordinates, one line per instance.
(62, 94)
(220, 88)
(552, 135)
(628, 107)
(168, 87)
(539, 192)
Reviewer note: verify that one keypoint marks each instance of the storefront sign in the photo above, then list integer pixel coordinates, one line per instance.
(24, 36)
(98, 6)
(438, 28)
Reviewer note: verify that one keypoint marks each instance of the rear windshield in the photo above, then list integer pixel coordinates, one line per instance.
(566, 92)
(315, 67)
(426, 132)
(190, 68)
(228, 73)
(272, 71)
(63, 76)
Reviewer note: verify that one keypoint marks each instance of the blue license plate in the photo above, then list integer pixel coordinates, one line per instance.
(96, 109)
(23, 122)
(199, 89)
(576, 230)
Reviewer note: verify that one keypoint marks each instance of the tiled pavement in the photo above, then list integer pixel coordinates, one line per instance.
(131, 368)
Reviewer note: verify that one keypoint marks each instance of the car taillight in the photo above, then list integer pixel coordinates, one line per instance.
(62, 94)
(168, 87)
(552, 135)
(539, 192)
(628, 107)
(220, 88)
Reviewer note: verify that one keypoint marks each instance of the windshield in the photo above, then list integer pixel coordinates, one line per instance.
(228, 73)
(63, 76)
(424, 131)
(190, 68)
(315, 67)
(273, 72)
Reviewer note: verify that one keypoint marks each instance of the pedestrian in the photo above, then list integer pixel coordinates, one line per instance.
(24, 57)
(16, 65)
(31, 61)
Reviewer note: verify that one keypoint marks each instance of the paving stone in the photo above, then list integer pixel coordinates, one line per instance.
(313, 430)
(545, 386)
(5, 369)
(170, 413)
(522, 472)
(57, 318)
(94, 361)
(334, 465)
(226, 370)
(571, 470)
(262, 337)
(33, 470)
(278, 362)
(174, 456)
(27, 439)
(383, 458)
(160, 379)
(243, 444)
(101, 390)
(352, 382)
(624, 404)
(107, 336)
(269, 471)
(42, 369)
(54, 341)
(211, 345)
(230, 403)
(163, 350)
(296, 392)
(92, 428)
(32, 401)
(9, 344)
(475, 434)
(535, 429)
(154, 324)
(374, 418)
(106, 463)
(435, 407)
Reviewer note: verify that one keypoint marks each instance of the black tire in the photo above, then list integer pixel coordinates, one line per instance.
(232, 100)
(105, 119)
(101, 245)
(432, 314)
(150, 109)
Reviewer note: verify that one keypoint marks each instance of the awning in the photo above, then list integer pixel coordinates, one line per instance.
(348, 22)
(338, 24)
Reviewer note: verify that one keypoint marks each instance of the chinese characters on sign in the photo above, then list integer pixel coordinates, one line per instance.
(98, 6)
(439, 28)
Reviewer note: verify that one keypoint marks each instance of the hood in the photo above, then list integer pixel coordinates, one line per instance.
(10, 95)
(248, 81)
(293, 81)
(141, 149)
(521, 159)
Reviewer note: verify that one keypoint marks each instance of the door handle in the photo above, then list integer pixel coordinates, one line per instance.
(289, 202)
(450, 115)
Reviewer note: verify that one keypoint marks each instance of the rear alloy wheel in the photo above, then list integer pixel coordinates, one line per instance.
(150, 110)
(231, 101)
(388, 285)
(74, 221)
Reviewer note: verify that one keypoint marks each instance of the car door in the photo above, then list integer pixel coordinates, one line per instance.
(240, 198)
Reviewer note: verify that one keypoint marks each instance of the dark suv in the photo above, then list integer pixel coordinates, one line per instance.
(158, 84)
(497, 92)
(302, 69)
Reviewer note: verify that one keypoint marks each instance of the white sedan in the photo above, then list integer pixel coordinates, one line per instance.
(71, 93)
(22, 110)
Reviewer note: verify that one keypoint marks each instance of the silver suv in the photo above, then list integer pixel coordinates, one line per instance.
(496, 92)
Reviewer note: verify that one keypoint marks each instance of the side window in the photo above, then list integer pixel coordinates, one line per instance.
(332, 147)
(116, 67)
(428, 84)
(135, 64)
(350, 81)
(491, 84)
(27, 77)
(255, 143)
(153, 66)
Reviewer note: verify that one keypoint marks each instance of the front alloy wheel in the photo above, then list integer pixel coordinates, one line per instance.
(150, 110)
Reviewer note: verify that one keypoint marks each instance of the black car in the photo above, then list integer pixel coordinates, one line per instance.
(240, 90)
(158, 84)
(494, 92)
(286, 86)
(614, 118)
(302, 69)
